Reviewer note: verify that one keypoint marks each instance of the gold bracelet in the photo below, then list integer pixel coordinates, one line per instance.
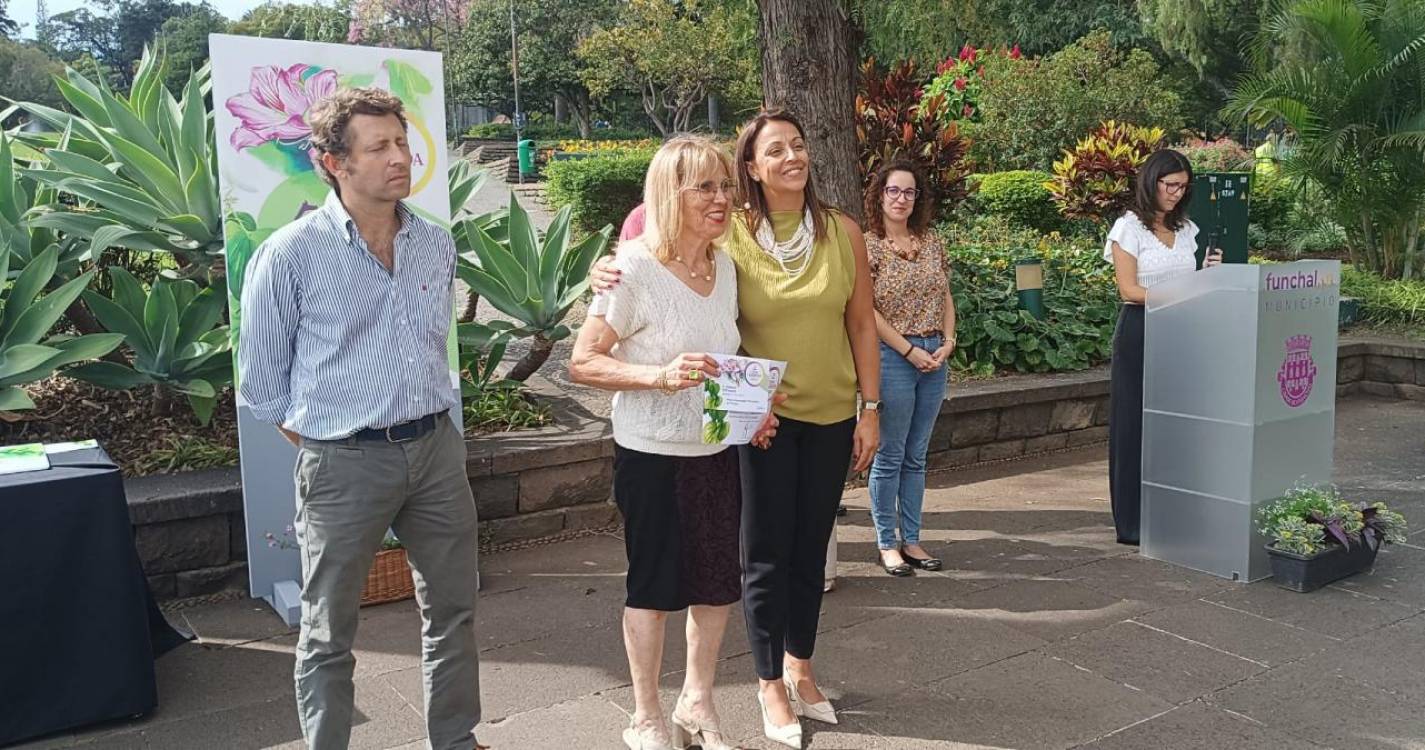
(663, 384)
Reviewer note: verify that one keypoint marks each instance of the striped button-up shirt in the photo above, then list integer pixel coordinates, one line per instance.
(330, 342)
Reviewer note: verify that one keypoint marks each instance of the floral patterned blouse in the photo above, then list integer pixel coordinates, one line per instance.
(910, 293)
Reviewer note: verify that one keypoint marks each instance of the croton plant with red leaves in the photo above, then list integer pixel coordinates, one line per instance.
(895, 118)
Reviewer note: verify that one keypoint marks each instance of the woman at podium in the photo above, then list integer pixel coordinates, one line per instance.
(1152, 242)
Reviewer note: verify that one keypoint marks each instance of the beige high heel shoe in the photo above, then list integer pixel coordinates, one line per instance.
(645, 737)
(789, 735)
(822, 712)
(686, 729)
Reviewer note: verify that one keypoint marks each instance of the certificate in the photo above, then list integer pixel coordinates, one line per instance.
(735, 402)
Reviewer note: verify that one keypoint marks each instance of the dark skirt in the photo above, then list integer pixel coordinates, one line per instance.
(681, 519)
(1125, 424)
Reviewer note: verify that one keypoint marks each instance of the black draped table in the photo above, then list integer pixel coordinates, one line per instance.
(79, 628)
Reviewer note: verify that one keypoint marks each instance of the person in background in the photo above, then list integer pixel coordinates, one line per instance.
(1152, 242)
(915, 317)
(346, 313)
(650, 340)
(633, 224)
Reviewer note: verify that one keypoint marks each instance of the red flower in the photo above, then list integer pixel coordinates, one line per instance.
(967, 53)
(959, 84)
(966, 111)
(1014, 53)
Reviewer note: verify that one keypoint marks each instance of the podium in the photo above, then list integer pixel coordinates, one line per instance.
(1239, 405)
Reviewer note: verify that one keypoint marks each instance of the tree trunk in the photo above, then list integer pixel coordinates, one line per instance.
(809, 67)
(651, 105)
(472, 301)
(560, 114)
(714, 116)
(583, 113)
(539, 351)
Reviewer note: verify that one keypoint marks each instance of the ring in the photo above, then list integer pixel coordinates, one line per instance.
(695, 375)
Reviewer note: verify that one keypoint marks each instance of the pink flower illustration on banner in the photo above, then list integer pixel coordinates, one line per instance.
(276, 104)
(1298, 371)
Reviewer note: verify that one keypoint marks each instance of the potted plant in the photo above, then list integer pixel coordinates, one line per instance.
(389, 579)
(1317, 537)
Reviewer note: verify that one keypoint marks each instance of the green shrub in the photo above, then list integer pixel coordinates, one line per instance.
(1271, 200)
(1385, 301)
(1030, 110)
(1021, 197)
(600, 190)
(993, 334)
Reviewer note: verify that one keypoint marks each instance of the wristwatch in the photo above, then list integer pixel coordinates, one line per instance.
(870, 406)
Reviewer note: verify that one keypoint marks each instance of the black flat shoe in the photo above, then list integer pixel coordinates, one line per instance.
(923, 563)
(899, 571)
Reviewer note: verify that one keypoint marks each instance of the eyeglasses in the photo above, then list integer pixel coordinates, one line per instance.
(708, 190)
(895, 193)
(1173, 188)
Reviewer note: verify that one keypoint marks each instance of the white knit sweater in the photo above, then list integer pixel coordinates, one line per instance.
(657, 317)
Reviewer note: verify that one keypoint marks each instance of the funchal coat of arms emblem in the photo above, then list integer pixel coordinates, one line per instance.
(1298, 372)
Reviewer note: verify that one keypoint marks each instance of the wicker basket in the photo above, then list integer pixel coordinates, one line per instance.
(389, 579)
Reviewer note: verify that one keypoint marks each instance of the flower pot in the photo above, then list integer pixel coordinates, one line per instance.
(389, 579)
(1304, 573)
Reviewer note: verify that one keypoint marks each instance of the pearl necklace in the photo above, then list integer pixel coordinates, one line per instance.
(794, 255)
(693, 272)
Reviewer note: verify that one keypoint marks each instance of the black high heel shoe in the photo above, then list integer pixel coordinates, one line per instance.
(923, 563)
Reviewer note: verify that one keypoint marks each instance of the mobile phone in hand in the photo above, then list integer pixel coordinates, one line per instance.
(1211, 249)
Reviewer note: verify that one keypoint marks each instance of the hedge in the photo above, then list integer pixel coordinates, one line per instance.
(600, 189)
(1021, 197)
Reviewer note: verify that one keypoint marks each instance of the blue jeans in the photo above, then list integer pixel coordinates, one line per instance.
(910, 403)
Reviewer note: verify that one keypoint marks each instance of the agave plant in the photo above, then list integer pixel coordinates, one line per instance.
(1094, 181)
(142, 166)
(173, 329)
(17, 199)
(25, 318)
(465, 182)
(482, 347)
(531, 279)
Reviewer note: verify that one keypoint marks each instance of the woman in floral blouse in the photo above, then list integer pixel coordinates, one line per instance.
(915, 317)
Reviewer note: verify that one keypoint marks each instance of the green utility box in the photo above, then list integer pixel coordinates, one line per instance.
(1219, 206)
(526, 154)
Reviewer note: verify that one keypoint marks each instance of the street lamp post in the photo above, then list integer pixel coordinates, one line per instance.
(515, 67)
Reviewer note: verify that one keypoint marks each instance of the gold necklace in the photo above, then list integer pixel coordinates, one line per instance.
(693, 272)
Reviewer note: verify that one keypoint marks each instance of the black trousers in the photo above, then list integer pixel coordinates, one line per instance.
(1125, 423)
(789, 497)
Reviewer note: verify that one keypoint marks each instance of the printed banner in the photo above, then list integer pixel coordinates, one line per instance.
(262, 89)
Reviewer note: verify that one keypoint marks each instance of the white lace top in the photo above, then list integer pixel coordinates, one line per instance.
(1156, 262)
(657, 317)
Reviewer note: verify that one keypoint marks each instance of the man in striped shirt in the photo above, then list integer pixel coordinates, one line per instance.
(345, 315)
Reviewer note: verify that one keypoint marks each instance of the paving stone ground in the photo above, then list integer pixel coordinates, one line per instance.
(1041, 633)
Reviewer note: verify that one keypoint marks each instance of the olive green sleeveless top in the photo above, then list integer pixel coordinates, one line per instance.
(801, 320)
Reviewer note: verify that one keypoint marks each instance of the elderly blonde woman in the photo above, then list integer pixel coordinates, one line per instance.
(650, 339)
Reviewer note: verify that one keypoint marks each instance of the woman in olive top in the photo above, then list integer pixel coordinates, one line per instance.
(804, 296)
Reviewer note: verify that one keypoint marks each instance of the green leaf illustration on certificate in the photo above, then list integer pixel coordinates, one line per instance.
(735, 402)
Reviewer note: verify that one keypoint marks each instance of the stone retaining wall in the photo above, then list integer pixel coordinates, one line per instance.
(536, 483)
